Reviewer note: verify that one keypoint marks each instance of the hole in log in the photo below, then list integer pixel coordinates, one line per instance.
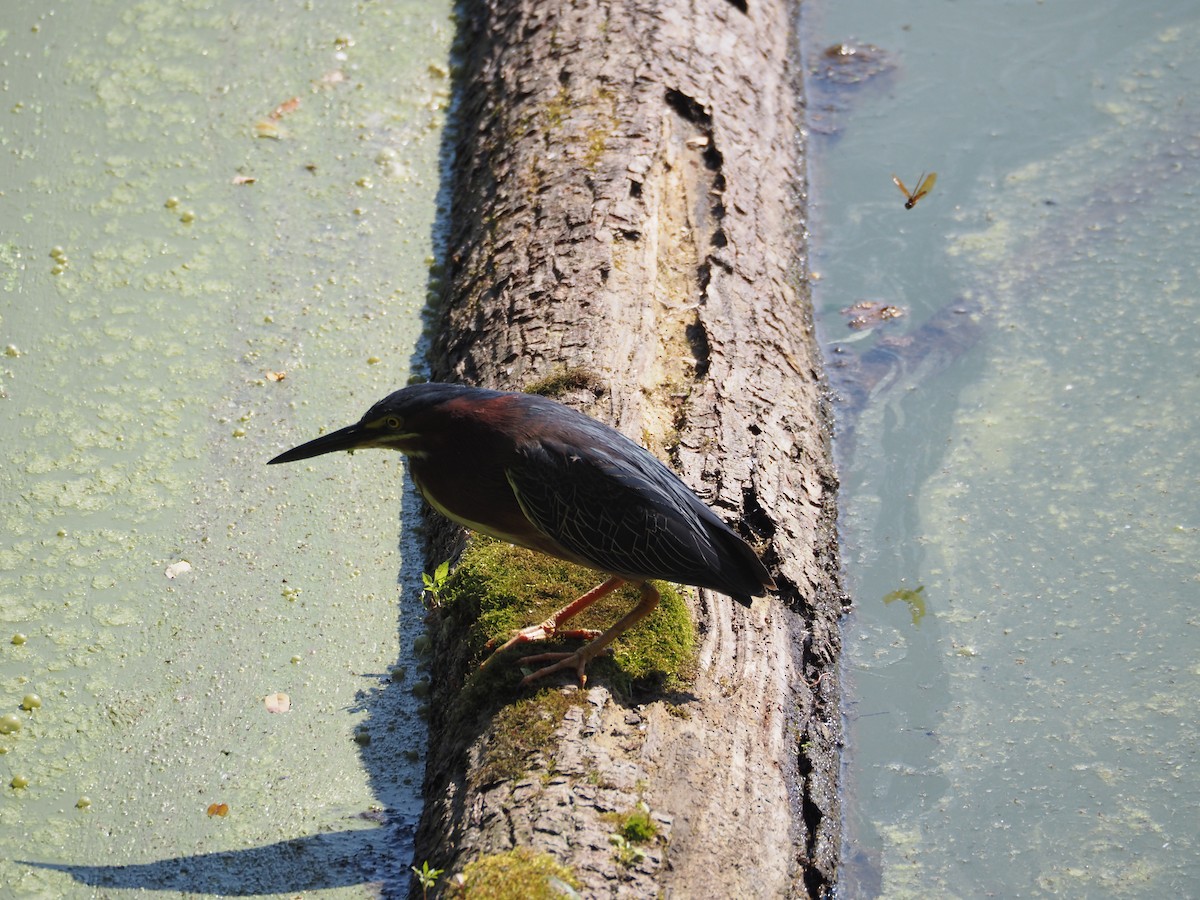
(689, 108)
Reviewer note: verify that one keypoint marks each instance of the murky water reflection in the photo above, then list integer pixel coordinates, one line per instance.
(1034, 731)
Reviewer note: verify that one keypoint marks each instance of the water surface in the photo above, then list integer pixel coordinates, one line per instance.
(217, 223)
(1021, 523)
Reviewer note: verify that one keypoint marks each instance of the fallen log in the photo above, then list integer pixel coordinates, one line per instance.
(626, 233)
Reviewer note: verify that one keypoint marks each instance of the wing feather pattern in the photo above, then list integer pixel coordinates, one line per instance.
(627, 514)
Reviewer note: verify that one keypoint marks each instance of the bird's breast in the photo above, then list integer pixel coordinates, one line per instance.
(483, 500)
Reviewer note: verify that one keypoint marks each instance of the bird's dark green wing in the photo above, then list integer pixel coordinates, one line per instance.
(625, 513)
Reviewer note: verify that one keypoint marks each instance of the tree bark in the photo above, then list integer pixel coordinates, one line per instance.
(627, 199)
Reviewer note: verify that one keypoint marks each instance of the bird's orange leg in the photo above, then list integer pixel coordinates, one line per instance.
(584, 655)
(549, 628)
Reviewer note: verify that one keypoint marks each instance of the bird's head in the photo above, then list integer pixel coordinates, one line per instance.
(412, 420)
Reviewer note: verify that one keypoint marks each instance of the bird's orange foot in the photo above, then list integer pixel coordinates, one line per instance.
(559, 662)
(540, 632)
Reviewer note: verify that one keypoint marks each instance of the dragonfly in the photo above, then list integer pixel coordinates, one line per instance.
(924, 186)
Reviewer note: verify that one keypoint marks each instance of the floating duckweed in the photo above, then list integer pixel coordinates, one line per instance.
(187, 217)
(295, 660)
(83, 802)
(373, 360)
(362, 735)
(10, 723)
(57, 252)
(18, 782)
(171, 202)
(31, 702)
(12, 350)
(18, 639)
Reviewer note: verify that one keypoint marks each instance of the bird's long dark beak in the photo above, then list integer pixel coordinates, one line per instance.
(348, 438)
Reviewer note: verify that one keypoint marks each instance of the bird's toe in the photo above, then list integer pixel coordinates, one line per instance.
(559, 662)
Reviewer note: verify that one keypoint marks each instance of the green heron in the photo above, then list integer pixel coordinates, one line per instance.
(532, 472)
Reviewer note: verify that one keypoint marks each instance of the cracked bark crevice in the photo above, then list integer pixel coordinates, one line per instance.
(627, 201)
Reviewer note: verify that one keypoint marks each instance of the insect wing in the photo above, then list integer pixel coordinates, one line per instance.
(924, 187)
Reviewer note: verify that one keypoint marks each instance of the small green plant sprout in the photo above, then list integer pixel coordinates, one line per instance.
(633, 828)
(436, 582)
(426, 877)
(627, 854)
(638, 827)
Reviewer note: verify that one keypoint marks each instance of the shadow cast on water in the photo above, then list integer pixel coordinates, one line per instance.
(393, 756)
(330, 860)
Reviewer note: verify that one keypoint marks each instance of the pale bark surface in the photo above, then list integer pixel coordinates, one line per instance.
(628, 198)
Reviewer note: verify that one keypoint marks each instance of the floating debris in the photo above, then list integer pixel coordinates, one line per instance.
(849, 63)
(869, 313)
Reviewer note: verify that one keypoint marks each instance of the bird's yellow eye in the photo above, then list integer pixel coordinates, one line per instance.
(393, 423)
